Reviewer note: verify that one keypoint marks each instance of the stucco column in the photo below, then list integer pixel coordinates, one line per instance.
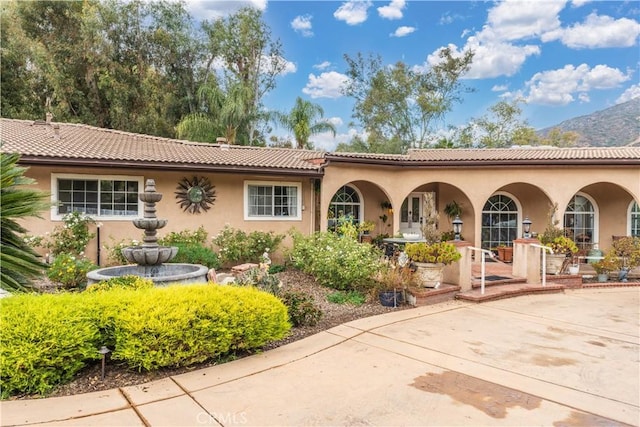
(526, 260)
(459, 273)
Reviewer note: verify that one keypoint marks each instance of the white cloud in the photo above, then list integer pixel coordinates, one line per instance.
(336, 121)
(403, 31)
(353, 12)
(499, 88)
(211, 10)
(302, 24)
(557, 87)
(598, 32)
(393, 10)
(490, 60)
(322, 66)
(516, 20)
(629, 94)
(326, 141)
(326, 85)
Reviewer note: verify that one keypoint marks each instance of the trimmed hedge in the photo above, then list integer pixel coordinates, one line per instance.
(46, 339)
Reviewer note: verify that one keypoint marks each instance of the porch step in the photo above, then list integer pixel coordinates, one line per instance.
(494, 280)
(507, 291)
(419, 297)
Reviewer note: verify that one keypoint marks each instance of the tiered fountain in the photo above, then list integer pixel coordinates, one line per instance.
(150, 257)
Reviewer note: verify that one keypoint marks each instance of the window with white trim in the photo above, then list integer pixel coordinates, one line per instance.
(97, 196)
(634, 220)
(265, 200)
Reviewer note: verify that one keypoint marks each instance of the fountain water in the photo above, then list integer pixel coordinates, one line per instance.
(150, 257)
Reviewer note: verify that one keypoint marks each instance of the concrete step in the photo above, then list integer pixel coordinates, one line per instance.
(492, 280)
(507, 291)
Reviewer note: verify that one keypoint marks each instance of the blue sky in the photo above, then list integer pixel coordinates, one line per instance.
(565, 58)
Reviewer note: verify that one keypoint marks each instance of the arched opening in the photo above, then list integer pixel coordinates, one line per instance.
(579, 221)
(346, 202)
(499, 221)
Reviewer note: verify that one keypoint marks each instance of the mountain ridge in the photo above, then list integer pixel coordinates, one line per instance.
(615, 126)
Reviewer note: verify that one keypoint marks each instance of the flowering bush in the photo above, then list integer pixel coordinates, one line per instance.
(562, 245)
(185, 237)
(337, 262)
(440, 252)
(72, 237)
(236, 246)
(69, 270)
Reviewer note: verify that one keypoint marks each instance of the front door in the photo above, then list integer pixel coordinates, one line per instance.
(411, 214)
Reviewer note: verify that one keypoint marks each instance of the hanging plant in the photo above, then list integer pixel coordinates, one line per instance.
(195, 194)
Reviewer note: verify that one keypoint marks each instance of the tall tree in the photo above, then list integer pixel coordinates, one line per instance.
(20, 263)
(243, 43)
(222, 114)
(304, 120)
(398, 102)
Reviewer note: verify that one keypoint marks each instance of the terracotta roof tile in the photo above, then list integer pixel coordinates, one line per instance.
(84, 142)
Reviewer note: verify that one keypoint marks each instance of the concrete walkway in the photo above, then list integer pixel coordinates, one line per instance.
(556, 359)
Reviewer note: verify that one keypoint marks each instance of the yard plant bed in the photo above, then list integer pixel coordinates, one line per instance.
(118, 375)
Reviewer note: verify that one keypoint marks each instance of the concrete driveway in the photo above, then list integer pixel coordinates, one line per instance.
(555, 360)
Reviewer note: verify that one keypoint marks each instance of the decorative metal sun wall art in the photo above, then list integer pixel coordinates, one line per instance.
(195, 194)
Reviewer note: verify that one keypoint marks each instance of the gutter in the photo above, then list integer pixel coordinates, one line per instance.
(181, 167)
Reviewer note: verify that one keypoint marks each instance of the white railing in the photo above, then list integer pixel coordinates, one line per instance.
(544, 260)
(482, 264)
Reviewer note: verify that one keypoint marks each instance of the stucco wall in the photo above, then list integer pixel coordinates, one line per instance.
(227, 209)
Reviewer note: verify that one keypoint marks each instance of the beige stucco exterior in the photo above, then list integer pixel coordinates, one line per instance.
(611, 189)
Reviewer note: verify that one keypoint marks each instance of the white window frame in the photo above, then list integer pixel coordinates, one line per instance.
(630, 213)
(55, 216)
(296, 184)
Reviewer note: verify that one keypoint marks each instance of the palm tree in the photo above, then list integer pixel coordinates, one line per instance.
(20, 263)
(224, 113)
(301, 120)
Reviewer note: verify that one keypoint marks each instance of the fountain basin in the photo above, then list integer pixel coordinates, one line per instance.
(161, 275)
(149, 255)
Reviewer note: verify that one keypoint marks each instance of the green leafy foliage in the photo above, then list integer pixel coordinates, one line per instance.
(347, 297)
(72, 237)
(44, 341)
(182, 325)
(122, 282)
(439, 252)
(301, 308)
(236, 246)
(20, 263)
(337, 262)
(196, 254)
(69, 270)
(185, 237)
(262, 279)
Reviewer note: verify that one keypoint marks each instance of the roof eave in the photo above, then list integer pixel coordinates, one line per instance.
(166, 166)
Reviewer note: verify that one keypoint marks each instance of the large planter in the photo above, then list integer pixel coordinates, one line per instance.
(554, 263)
(603, 277)
(505, 253)
(430, 275)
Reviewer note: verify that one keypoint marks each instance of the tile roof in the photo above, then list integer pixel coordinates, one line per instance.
(516, 155)
(79, 143)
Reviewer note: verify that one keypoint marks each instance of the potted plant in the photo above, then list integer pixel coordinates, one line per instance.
(390, 284)
(627, 251)
(430, 259)
(366, 227)
(606, 265)
(562, 247)
(505, 253)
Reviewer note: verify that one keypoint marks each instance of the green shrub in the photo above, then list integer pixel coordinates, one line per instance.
(185, 237)
(44, 341)
(195, 253)
(72, 237)
(301, 308)
(70, 271)
(347, 297)
(276, 268)
(182, 325)
(261, 279)
(236, 246)
(336, 261)
(122, 282)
